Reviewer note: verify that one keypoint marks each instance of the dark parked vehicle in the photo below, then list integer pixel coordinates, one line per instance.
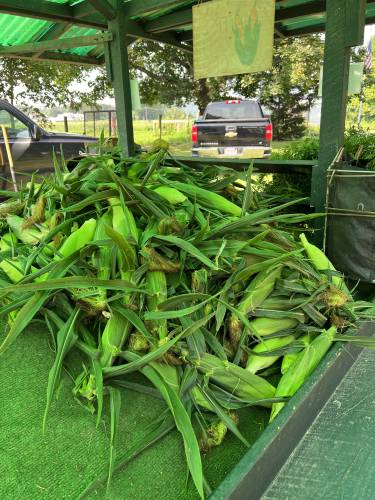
(32, 147)
(233, 128)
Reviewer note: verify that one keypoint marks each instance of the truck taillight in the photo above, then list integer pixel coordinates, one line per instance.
(269, 132)
(194, 133)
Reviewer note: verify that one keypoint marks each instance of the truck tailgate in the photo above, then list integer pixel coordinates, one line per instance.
(224, 133)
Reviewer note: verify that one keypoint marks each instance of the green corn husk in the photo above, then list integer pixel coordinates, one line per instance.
(208, 198)
(256, 363)
(268, 326)
(282, 303)
(12, 270)
(102, 259)
(255, 294)
(115, 333)
(200, 400)
(290, 358)
(322, 263)
(29, 236)
(157, 285)
(123, 220)
(77, 240)
(172, 195)
(305, 364)
(7, 242)
(234, 379)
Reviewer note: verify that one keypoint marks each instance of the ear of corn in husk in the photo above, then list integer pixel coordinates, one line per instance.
(255, 294)
(256, 363)
(290, 358)
(304, 365)
(322, 263)
(235, 379)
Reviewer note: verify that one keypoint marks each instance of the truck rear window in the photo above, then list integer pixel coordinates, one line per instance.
(245, 110)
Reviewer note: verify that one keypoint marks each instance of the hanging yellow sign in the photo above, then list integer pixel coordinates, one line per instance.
(232, 37)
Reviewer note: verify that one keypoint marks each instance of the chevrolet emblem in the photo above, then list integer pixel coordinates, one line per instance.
(231, 134)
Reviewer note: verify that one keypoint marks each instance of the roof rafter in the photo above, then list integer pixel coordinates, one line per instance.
(60, 44)
(141, 7)
(54, 32)
(61, 57)
(136, 30)
(103, 7)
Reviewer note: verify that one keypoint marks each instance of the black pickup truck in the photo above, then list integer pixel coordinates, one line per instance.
(233, 128)
(32, 147)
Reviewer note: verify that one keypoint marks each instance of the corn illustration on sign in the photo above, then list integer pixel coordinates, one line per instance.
(233, 37)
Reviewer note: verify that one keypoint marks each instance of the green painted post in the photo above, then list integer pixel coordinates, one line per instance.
(344, 29)
(118, 71)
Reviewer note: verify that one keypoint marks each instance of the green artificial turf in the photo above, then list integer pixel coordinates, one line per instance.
(73, 452)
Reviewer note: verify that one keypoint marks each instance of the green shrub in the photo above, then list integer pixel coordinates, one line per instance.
(305, 149)
(359, 138)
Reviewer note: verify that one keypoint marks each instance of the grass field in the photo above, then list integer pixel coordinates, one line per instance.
(146, 132)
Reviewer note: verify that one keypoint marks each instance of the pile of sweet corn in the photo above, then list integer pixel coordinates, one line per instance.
(188, 277)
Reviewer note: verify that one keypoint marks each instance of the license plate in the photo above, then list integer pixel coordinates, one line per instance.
(230, 151)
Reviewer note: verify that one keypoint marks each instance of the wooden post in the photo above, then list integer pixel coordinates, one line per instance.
(344, 29)
(160, 126)
(116, 54)
(66, 126)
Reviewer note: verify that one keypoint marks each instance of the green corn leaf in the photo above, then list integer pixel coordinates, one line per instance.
(183, 299)
(97, 370)
(188, 248)
(115, 406)
(155, 315)
(222, 415)
(183, 424)
(135, 320)
(248, 194)
(73, 282)
(141, 445)
(127, 188)
(66, 338)
(32, 306)
(113, 371)
(127, 251)
(251, 219)
(91, 200)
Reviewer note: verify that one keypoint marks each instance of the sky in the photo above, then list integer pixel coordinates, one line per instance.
(369, 33)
